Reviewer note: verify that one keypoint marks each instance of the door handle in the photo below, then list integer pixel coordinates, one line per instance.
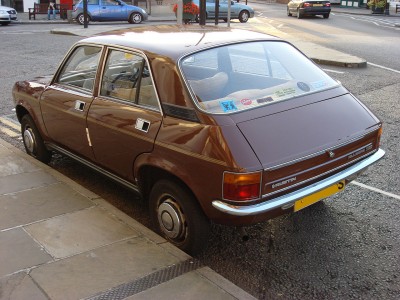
(80, 105)
(142, 125)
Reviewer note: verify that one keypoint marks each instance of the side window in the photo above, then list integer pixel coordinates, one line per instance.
(109, 2)
(93, 2)
(81, 67)
(127, 77)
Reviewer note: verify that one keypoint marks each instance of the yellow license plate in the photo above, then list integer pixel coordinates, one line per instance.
(317, 4)
(329, 191)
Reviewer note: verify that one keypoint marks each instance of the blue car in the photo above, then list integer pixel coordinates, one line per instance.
(109, 10)
(238, 11)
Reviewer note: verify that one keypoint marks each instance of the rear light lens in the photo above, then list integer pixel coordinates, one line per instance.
(327, 4)
(241, 186)
(378, 138)
(306, 4)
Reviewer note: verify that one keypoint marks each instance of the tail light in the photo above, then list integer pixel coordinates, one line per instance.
(378, 138)
(241, 186)
(327, 4)
(306, 4)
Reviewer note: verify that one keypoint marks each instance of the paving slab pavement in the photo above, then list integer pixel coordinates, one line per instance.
(59, 240)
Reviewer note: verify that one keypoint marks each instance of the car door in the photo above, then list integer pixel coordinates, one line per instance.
(124, 119)
(65, 102)
(111, 10)
(223, 9)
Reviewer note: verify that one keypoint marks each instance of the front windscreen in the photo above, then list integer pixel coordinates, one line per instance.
(237, 77)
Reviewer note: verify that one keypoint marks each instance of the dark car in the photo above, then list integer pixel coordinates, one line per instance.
(109, 10)
(207, 124)
(303, 8)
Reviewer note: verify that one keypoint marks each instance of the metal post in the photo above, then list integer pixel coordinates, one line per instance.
(229, 13)
(85, 14)
(387, 8)
(216, 11)
(202, 12)
(179, 13)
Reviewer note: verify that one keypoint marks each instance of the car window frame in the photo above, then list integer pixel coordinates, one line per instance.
(105, 55)
(55, 79)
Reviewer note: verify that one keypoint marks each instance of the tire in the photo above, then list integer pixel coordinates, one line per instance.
(299, 15)
(81, 19)
(5, 23)
(135, 18)
(225, 20)
(33, 142)
(326, 16)
(178, 217)
(244, 16)
(288, 12)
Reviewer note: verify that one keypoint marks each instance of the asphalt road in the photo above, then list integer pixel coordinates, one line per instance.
(346, 247)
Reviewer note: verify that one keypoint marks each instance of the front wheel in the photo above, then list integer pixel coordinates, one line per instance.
(178, 217)
(135, 18)
(33, 142)
(244, 16)
(81, 19)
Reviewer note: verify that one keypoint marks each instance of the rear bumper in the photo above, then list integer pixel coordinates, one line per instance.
(289, 199)
(315, 10)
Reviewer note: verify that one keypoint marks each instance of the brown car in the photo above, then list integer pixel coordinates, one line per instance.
(207, 124)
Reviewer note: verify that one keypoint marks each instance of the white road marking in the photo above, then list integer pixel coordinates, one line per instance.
(10, 123)
(382, 67)
(333, 71)
(9, 132)
(375, 190)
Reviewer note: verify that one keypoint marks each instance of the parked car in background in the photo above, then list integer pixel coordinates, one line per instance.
(303, 8)
(206, 124)
(238, 11)
(109, 10)
(7, 15)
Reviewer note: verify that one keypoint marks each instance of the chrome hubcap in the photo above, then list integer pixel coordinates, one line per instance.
(29, 140)
(171, 219)
(137, 18)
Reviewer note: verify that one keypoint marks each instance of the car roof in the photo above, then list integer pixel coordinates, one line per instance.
(174, 41)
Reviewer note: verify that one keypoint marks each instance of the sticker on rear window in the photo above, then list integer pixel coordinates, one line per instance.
(285, 92)
(246, 101)
(265, 100)
(318, 84)
(303, 86)
(228, 105)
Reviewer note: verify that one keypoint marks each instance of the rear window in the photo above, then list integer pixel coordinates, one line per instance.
(248, 75)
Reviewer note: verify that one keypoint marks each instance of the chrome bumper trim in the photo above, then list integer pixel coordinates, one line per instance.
(290, 198)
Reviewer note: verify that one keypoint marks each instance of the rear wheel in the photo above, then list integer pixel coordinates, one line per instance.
(299, 15)
(178, 217)
(81, 19)
(326, 16)
(244, 16)
(135, 18)
(33, 142)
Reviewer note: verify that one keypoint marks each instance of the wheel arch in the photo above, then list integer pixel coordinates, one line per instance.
(148, 175)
